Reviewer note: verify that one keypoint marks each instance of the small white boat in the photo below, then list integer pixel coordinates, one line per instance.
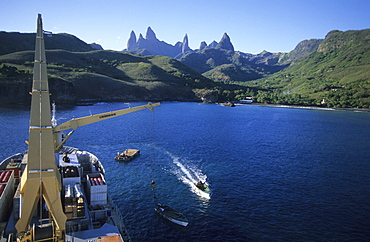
(203, 189)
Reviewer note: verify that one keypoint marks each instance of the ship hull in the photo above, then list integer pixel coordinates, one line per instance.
(90, 211)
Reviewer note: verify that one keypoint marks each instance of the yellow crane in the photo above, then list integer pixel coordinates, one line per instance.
(41, 178)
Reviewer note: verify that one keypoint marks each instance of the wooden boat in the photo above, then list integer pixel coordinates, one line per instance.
(52, 192)
(171, 215)
(127, 155)
(168, 212)
(203, 189)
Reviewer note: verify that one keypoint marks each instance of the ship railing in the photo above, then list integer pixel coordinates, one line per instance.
(119, 221)
(6, 161)
(68, 149)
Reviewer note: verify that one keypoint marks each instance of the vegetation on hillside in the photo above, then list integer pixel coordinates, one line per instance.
(15, 42)
(104, 75)
(337, 75)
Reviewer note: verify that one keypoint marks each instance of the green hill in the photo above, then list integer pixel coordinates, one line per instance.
(301, 51)
(15, 42)
(100, 75)
(338, 73)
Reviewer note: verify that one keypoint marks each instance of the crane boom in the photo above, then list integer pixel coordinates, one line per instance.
(78, 122)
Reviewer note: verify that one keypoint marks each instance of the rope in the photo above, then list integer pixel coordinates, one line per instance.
(152, 137)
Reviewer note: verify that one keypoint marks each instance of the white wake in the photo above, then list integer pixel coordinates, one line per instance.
(189, 175)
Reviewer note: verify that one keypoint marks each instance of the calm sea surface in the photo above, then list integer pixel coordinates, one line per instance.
(277, 174)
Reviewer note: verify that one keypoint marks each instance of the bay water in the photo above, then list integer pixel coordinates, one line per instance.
(276, 174)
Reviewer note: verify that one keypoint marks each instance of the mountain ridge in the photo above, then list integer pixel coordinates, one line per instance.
(218, 60)
(331, 72)
(151, 45)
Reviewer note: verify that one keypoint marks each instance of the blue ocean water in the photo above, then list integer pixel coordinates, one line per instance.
(276, 174)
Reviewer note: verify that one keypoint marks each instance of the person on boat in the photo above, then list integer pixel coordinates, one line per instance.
(200, 185)
(66, 158)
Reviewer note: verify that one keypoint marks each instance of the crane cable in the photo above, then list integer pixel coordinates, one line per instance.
(153, 184)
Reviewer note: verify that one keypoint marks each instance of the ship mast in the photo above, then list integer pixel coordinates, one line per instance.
(41, 178)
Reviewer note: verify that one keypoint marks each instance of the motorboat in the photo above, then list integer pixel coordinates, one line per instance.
(203, 189)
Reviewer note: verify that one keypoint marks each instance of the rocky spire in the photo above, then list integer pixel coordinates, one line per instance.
(150, 35)
(225, 43)
(141, 42)
(203, 45)
(140, 37)
(185, 45)
(131, 43)
(213, 44)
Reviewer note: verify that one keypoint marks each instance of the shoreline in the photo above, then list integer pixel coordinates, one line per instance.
(364, 110)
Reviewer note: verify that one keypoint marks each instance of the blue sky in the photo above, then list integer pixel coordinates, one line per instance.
(252, 25)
